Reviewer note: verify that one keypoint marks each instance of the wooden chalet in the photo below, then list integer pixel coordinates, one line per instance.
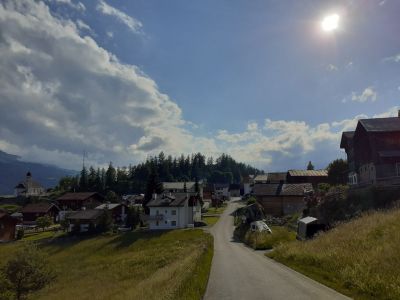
(373, 152)
(32, 211)
(77, 201)
(7, 227)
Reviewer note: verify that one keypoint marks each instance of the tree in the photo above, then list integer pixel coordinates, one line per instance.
(133, 217)
(111, 176)
(196, 185)
(83, 179)
(337, 171)
(310, 166)
(153, 186)
(44, 222)
(64, 224)
(112, 197)
(106, 221)
(27, 271)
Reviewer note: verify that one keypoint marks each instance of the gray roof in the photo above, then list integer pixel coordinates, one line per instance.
(287, 189)
(277, 176)
(108, 206)
(177, 199)
(381, 124)
(177, 185)
(308, 173)
(262, 177)
(88, 214)
(308, 220)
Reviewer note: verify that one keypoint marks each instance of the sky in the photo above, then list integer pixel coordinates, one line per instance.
(259, 80)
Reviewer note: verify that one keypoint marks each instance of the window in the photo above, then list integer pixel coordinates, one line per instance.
(173, 212)
(156, 223)
(173, 223)
(165, 222)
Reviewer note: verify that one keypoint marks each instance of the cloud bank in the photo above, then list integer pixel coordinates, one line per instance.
(62, 94)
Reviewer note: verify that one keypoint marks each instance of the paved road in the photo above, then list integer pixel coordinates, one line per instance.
(238, 272)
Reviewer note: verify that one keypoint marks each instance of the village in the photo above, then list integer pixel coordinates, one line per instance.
(267, 209)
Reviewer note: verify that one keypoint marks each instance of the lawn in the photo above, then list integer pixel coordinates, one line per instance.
(359, 258)
(210, 221)
(10, 208)
(135, 265)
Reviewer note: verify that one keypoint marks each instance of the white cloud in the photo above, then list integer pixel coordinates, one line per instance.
(132, 23)
(331, 67)
(395, 58)
(367, 95)
(78, 6)
(68, 94)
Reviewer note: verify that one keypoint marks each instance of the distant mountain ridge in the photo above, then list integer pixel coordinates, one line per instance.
(12, 171)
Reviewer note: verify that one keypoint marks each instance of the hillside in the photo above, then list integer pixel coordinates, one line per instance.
(13, 170)
(134, 265)
(359, 258)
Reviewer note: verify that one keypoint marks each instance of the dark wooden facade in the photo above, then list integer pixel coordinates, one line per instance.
(7, 227)
(77, 201)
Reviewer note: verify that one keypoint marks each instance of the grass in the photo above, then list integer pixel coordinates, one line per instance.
(210, 221)
(263, 240)
(359, 258)
(10, 208)
(135, 265)
(217, 210)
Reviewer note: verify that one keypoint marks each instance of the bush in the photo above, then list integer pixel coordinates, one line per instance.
(251, 200)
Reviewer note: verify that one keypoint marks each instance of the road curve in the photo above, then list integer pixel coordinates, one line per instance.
(238, 272)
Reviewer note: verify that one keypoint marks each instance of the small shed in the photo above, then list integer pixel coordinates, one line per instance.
(307, 227)
(7, 227)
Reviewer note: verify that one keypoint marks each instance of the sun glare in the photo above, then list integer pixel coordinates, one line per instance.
(330, 23)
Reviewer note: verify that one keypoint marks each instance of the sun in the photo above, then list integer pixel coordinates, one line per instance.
(330, 23)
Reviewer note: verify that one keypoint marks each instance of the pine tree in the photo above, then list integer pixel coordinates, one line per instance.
(153, 186)
(111, 177)
(83, 180)
(310, 166)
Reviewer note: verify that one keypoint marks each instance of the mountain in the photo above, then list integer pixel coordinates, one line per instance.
(13, 170)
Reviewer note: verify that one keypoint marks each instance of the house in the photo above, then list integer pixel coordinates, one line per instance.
(248, 184)
(7, 227)
(29, 187)
(307, 227)
(133, 199)
(183, 187)
(221, 190)
(84, 219)
(373, 152)
(234, 190)
(282, 199)
(307, 176)
(174, 211)
(32, 211)
(77, 201)
(118, 211)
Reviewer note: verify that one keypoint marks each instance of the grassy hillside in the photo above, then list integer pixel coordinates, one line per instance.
(157, 265)
(361, 258)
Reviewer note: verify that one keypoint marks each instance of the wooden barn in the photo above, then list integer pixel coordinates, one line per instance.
(282, 199)
(77, 201)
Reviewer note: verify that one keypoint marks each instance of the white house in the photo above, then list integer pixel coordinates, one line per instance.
(221, 189)
(29, 187)
(183, 187)
(174, 211)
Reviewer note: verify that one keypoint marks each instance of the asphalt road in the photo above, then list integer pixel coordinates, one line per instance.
(239, 272)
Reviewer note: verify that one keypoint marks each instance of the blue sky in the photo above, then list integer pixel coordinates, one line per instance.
(259, 80)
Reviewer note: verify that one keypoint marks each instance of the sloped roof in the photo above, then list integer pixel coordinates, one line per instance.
(381, 124)
(267, 189)
(308, 173)
(78, 196)
(346, 137)
(262, 177)
(42, 207)
(277, 176)
(88, 214)
(178, 185)
(286, 189)
(308, 220)
(177, 199)
(296, 189)
(109, 206)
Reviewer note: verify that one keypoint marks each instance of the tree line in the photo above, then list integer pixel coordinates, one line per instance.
(133, 179)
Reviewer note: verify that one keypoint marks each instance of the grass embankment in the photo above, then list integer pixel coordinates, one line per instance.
(263, 240)
(359, 258)
(10, 208)
(147, 265)
(212, 215)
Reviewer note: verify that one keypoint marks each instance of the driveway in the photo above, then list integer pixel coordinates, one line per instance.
(239, 272)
